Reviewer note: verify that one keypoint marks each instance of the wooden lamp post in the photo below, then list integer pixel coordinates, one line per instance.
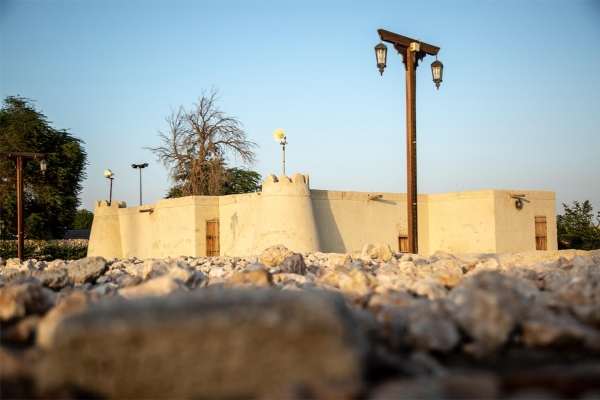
(19, 159)
(412, 52)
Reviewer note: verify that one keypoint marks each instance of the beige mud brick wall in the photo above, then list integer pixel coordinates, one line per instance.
(515, 229)
(286, 215)
(105, 235)
(461, 223)
(237, 218)
(346, 221)
(487, 221)
(288, 212)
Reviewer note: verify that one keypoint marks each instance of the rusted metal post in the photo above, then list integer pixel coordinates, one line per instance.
(20, 164)
(411, 151)
(412, 52)
(110, 193)
(19, 159)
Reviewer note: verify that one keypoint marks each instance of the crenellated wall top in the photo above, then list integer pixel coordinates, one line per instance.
(113, 204)
(296, 185)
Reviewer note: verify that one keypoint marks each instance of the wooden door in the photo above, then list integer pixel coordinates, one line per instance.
(212, 238)
(541, 233)
(403, 244)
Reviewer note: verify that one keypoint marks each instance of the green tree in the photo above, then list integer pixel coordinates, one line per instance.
(83, 219)
(238, 181)
(198, 144)
(50, 199)
(242, 181)
(576, 228)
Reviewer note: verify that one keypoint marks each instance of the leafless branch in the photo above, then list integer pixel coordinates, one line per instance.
(198, 145)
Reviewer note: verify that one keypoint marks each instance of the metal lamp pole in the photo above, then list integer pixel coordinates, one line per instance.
(412, 52)
(20, 159)
(140, 166)
(108, 174)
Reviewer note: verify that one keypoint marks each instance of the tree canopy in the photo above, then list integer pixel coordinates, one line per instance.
(577, 229)
(198, 145)
(83, 220)
(239, 181)
(50, 199)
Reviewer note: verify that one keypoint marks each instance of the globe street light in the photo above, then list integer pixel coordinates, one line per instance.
(108, 174)
(279, 136)
(412, 52)
(140, 166)
(20, 159)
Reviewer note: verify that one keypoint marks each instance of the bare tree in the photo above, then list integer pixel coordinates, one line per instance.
(198, 144)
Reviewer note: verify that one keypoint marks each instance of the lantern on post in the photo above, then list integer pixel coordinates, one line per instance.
(437, 68)
(381, 55)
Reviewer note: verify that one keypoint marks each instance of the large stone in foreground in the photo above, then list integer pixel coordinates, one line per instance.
(233, 343)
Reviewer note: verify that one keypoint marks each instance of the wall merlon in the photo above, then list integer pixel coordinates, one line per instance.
(114, 204)
(285, 180)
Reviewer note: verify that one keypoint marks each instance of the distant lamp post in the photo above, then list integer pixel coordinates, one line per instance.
(108, 174)
(20, 159)
(140, 166)
(412, 52)
(279, 136)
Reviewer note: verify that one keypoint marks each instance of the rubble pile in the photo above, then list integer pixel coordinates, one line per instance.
(372, 324)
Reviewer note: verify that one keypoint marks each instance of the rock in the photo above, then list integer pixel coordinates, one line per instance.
(87, 269)
(55, 264)
(421, 389)
(543, 328)
(446, 271)
(17, 301)
(581, 262)
(294, 264)
(357, 281)
(209, 344)
(71, 304)
(488, 308)
(581, 290)
(274, 255)
(22, 332)
(55, 279)
(348, 281)
(160, 286)
(12, 275)
(429, 288)
(253, 277)
(588, 313)
(432, 331)
(176, 269)
(127, 280)
(564, 263)
(408, 268)
(338, 260)
(378, 251)
(13, 263)
(393, 299)
(18, 374)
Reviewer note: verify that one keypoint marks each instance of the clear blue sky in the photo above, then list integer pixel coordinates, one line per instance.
(519, 107)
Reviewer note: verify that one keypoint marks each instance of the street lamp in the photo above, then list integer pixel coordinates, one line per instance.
(412, 52)
(108, 174)
(140, 166)
(20, 159)
(279, 136)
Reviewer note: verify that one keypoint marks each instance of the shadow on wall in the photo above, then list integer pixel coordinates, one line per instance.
(329, 233)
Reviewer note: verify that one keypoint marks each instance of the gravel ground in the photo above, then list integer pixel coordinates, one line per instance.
(371, 324)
